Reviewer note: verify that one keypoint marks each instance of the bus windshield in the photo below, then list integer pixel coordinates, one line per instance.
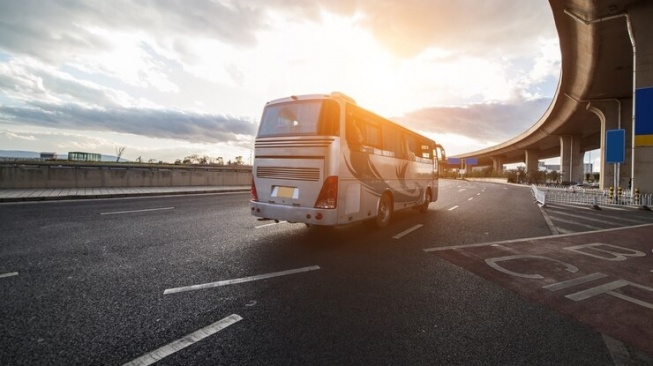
(313, 117)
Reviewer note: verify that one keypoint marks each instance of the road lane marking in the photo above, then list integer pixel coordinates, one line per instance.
(144, 210)
(188, 340)
(10, 274)
(576, 223)
(576, 281)
(274, 223)
(239, 280)
(523, 240)
(470, 198)
(453, 208)
(406, 232)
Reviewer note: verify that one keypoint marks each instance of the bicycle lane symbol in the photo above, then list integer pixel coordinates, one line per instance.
(602, 278)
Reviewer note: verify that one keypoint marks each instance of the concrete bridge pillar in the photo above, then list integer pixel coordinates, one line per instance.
(532, 160)
(497, 165)
(641, 14)
(571, 159)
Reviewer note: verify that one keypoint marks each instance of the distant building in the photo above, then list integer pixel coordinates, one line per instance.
(48, 156)
(549, 168)
(83, 156)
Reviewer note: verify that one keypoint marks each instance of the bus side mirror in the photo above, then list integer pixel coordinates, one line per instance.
(443, 154)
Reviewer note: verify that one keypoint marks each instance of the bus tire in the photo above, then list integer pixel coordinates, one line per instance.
(384, 212)
(427, 200)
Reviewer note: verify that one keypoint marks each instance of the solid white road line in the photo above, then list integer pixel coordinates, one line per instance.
(145, 210)
(453, 208)
(274, 223)
(239, 280)
(406, 232)
(527, 240)
(2, 275)
(178, 345)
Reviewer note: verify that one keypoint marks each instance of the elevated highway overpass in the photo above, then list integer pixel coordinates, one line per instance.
(606, 74)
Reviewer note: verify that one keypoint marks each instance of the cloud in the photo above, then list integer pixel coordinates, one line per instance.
(168, 124)
(59, 30)
(488, 27)
(17, 136)
(25, 79)
(489, 123)
(52, 29)
(141, 67)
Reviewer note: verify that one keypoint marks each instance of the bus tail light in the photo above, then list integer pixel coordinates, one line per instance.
(253, 193)
(328, 197)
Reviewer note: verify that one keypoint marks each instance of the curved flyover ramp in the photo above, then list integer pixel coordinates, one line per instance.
(607, 59)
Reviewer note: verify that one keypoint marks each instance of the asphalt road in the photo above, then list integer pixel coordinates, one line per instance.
(106, 282)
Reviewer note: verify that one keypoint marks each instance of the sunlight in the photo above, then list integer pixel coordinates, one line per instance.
(338, 54)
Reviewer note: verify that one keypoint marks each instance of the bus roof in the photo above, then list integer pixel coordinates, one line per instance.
(333, 95)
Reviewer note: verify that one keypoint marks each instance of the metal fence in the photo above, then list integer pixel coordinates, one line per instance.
(591, 196)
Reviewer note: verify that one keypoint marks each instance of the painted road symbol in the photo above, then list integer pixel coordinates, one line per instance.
(602, 278)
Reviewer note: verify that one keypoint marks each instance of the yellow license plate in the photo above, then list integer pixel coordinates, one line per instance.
(285, 192)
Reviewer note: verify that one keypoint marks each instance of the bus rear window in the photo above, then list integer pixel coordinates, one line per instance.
(315, 117)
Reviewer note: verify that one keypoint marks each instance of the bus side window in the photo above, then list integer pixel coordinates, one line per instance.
(411, 147)
(354, 133)
(426, 150)
(372, 135)
(329, 119)
(392, 141)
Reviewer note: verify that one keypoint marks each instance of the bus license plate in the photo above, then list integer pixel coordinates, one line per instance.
(286, 192)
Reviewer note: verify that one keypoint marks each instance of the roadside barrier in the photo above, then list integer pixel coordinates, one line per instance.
(592, 196)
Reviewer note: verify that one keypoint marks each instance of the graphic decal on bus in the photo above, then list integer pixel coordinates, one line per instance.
(361, 167)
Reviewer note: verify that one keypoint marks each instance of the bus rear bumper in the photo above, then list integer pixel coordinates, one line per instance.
(307, 215)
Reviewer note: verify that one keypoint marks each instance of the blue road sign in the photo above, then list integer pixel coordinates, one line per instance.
(615, 151)
(471, 161)
(453, 161)
(644, 117)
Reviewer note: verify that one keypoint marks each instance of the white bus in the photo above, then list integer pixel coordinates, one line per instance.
(323, 160)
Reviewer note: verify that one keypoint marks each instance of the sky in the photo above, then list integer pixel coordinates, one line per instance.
(171, 78)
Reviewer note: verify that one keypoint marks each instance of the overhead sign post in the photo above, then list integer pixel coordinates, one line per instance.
(615, 151)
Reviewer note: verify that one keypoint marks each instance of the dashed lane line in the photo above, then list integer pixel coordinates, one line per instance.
(10, 274)
(178, 345)
(239, 280)
(134, 211)
(453, 208)
(406, 232)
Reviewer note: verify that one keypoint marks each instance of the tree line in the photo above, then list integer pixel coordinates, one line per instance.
(189, 160)
(207, 160)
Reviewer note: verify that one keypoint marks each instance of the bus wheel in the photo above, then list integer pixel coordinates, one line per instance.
(427, 199)
(384, 214)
